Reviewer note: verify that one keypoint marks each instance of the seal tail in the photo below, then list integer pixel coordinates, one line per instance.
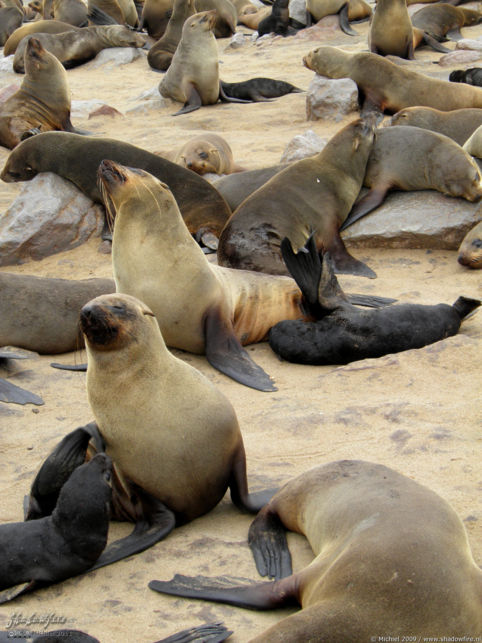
(464, 306)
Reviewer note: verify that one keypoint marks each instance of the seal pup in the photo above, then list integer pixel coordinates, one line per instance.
(443, 19)
(37, 26)
(43, 100)
(207, 153)
(68, 542)
(390, 87)
(258, 89)
(378, 567)
(77, 158)
(160, 54)
(470, 251)
(72, 48)
(278, 21)
(457, 124)
(343, 333)
(409, 158)
(11, 393)
(351, 11)
(314, 194)
(472, 76)
(391, 30)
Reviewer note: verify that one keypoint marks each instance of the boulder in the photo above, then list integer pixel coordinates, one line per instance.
(331, 98)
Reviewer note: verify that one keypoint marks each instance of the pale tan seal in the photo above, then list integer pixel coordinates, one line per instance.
(457, 124)
(409, 158)
(160, 55)
(348, 11)
(207, 153)
(473, 145)
(74, 48)
(43, 100)
(380, 571)
(37, 26)
(470, 251)
(391, 30)
(388, 86)
(193, 76)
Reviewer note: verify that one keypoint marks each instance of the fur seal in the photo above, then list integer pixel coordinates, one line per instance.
(351, 11)
(38, 26)
(391, 30)
(77, 158)
(379, 570)
(68, 542)
(472, 76)
(193, 75)
(155, 17)
(207, 153)
(388, 86)
(73, 12)
(73, 48)
(316, 193)
(11, 17)
(42, 314)
(9, 392)
(470, 251)
(43, 100)
(278, 21)
(258, 89)
(160, 54)
(106, 12)
(410, 158)
(457, 124)
(226, 18)
(442, 19)
(343, 333)
(473, 145)
(235, 188)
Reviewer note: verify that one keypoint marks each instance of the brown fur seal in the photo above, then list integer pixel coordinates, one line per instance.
(38, 26)
(258, 89)
(42, 314)
(129, 11)
(410, 158)
(76, 158)
(11, 17)
(160, 55)
(470, 251)
(314, 194)
(380, 571)
(388, 86)
(155, 17)
(193, 76)
(237, 187)
(442, 18)
(73, 12)
(251, 18)
(43, 100)
(200, 307)
(73, 48)
(391, 30)
(226, 18)
(109, 10)
(473, 145)
(457, 124)
(207, 153)
(353, 10)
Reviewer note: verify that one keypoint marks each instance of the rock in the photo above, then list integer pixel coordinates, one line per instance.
(302, 146)
(82, 108)
(6, 64)
(115, 56)
(331, 98)
(421, 219)
(105, 110)
(467, 43)
(49, 215)
(459, 57)
(237, 41)
(297, 10)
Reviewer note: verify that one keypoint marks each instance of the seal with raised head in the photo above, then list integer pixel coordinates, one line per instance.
(314, 194)
(471, 76)
(200, 307)
(470, 251)
(390, 87)
(43, 100)
(77, 158)
(278, 21)
(409, 158)
(74, 48)
(378, 567)
(391, 30)
(37, 26)
(207, 153)
(160, 54)
(68, 542)
(343, 333)
(457, 124)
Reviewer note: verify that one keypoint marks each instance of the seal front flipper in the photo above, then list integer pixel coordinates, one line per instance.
(69, 367)
(344, 263)
(221, 589)
(371, 200)
(193, 101)
(267, 540)
(12, 592)
(157, 522)
(209, 633)
(14, 394)
(225, 353)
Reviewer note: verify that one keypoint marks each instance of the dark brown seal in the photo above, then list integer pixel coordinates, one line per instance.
(457, 124)
(441, 19)
(160, 54)
(155, 17)
(378, 567)
(391, 30)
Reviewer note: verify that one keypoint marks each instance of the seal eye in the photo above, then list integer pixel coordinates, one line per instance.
(203, 155)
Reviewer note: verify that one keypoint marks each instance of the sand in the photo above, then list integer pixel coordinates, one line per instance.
(418, 411)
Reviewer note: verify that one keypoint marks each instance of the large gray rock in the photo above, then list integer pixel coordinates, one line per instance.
(459, 57)
(302, 146)
(115, 56)
(331, 98)
(421, 219)
(297, 9)
(49, 215)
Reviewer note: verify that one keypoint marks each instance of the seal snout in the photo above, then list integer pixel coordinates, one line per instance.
(104, 464)
(98, 323)
(109, 172)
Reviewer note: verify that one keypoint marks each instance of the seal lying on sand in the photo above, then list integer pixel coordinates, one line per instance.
(62, 545)
(457, 124)
(470, 251)
(472, 76)
(344, 333)
(378, 566)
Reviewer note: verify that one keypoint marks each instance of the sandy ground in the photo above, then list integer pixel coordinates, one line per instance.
(418, 411)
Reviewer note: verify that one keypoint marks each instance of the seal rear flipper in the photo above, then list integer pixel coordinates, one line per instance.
(434, 44)
(221, 589)
(371, 200)
(192, 103)
(158, 521)
(344, 22)
(267, 540)
(9, 594)
(370, 301)
(69, 367)
(344, 263)
(210, 633)
(13, 394)
(225, 353)
(464, 306)
(225, 98)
